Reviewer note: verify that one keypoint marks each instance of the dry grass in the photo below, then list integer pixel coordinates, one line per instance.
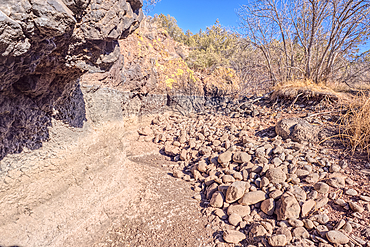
(305, 89)
(355, 124)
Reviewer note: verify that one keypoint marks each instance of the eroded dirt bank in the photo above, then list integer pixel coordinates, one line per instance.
(81, 183)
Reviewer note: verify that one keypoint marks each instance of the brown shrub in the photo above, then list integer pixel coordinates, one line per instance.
(355, 124)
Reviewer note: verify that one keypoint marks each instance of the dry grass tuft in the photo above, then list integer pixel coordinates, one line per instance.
(304, 89)
(355, 124)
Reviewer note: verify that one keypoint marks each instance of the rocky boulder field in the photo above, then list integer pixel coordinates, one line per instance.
(266, 179)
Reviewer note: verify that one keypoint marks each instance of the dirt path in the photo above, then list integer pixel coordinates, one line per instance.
(98, 187)
(164, 212)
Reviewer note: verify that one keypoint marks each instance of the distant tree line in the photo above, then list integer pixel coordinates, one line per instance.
(285, 40)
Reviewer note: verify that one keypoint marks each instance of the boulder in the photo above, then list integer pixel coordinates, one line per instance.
(235, 191)
(268, 206)
(276, 175)
(253, 197)
(233, 237)
(297, 129)
(287, 207)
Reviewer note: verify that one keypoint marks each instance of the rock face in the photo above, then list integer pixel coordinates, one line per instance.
(45, 46)
(297, 129)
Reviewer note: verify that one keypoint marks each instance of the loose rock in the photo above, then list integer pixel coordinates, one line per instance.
(336, 237)
(278, 240)
(253, 197)
(233, 237)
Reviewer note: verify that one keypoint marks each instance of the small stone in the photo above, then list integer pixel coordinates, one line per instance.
(225, 158)
(347, 227)
(241, 157)
(299, 193)
(355, 207)
(337, 182)
(336, 237)
(171, 150)
(340, 224)
(146, 131)
(351, 192)
(312, 195)
(253, 197)
(300, 233)
(276, 175)
(287, 207)
(268, 226)
(238, 176)
(233, 237)
(321, 218)
(220, 213)
(235, 191)
(276, 161)
(295, 222)
(178, 174)
(202, 166)
(268, 206)
(302, 172)
(308, 224)
(285, 231)
(335, 168)
(228, 179)
(321, 187)
(332, 195)
(198, 197)
(312, 178)
(242, 224)
(365, 198)
(321, 202)
(217, 200)
(322, 230)
(238, 209)
(307, 207)
(340, 202)
(278, 240)
(258, 230)
(211, 189)
(234, 219)
(275, 194)
(264, 182)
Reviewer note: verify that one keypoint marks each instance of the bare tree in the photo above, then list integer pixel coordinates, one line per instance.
(148, 5)
(306, 39)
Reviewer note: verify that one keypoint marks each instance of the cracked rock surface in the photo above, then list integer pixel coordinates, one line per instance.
(45, 46)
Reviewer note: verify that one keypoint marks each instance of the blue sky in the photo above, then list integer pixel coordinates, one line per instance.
(196, 14)
(193, 15)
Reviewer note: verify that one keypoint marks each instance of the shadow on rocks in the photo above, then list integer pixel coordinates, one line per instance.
(25, 119)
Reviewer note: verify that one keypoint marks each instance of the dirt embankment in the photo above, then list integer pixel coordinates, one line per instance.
(81, 183)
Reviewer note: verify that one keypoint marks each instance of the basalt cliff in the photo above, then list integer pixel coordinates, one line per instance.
(45, 47)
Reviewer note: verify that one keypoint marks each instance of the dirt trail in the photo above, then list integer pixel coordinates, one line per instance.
(87, 191)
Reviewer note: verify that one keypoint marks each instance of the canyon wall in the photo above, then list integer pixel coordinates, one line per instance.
(45, 47)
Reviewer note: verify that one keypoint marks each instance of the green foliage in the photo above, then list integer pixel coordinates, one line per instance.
(213, 47)
(169, 23)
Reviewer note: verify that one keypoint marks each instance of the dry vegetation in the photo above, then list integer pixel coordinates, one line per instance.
(309, 51)
(355, 124)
